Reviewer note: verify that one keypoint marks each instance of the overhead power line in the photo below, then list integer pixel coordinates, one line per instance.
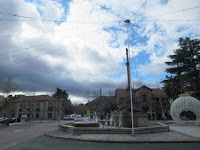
(27, 17)
(108, 10)
(173, 12)
(139, 9)
(39, 45)
(30, 58)
(172, 20)
(35, 33)
(69, 22)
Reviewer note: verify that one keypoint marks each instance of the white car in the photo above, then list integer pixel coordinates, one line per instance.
(70, 117)
(2, 118)
(78, 118)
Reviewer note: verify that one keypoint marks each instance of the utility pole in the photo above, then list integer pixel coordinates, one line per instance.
(129, 76)
(127, 64)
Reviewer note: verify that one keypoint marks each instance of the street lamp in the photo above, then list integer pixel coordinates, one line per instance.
(129, 77)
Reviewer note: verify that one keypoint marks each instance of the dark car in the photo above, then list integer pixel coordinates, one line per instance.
(12, 120)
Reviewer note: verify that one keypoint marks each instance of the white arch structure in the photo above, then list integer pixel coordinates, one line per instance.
(185, 103)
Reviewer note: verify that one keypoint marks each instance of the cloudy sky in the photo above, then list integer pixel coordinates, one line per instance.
(79, 45)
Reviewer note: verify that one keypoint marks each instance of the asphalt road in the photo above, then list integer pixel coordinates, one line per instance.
(47, 143)
(16, 133)
(30, 136)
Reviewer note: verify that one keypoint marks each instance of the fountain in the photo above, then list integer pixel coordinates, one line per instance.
(95, 116)
(112, 118)
(121, 122)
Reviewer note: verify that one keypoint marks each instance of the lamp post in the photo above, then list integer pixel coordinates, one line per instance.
(129, 77)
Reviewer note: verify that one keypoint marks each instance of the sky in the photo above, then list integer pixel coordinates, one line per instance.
(79, 45)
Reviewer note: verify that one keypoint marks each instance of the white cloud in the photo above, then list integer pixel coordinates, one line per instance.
(84, 50)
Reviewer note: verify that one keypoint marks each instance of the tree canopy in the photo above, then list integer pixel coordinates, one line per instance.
(66, 103)
(184, 69)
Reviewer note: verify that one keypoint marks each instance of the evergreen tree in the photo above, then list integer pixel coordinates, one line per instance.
(184, 69)
(66, 103)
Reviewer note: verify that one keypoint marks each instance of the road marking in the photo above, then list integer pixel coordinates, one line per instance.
(7, 132)
(4, 132)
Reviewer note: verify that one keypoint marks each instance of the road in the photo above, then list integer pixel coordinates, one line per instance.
(45, 143)
(16, 133)
(31, 136)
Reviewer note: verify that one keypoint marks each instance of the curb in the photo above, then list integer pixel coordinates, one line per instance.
(121, 141)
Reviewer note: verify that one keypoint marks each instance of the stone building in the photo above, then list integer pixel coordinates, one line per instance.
(151, 101)
(41, 107)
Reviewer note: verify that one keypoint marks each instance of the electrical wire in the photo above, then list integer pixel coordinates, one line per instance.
(171, 20)
(11, 35)
(174, 12)
(69, 22)
(42, 44)
(29, 59)
(138, 9)
(108, 10)
(147, 47)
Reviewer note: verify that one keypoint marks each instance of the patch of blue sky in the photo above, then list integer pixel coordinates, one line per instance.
(136, 38)
(163, 2)
(64, 3)
(112, 29)
(91, 75)
(116, 75)
(182, 28)
(140, 59)
(153, 78)
(115, 31)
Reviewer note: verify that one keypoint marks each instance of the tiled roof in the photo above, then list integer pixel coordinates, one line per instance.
(122, 93)
(35, 98)
(104, 100)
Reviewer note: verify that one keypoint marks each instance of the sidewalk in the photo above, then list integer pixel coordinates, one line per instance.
(190, 130)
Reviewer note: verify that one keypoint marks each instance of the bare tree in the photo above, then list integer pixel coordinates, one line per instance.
(8, 86)
(138, 83)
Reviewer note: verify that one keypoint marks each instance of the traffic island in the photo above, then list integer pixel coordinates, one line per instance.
(91, 128)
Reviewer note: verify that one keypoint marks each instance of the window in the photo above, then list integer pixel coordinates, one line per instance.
(50, 106)
(49, 115)
(144, 98)
(38, 107)
(37, 115)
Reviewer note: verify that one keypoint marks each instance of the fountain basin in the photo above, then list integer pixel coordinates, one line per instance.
(159, 127)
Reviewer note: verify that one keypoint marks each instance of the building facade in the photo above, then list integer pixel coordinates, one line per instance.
(151, 101)
(42, 107)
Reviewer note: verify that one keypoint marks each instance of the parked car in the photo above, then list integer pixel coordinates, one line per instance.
(2, 119)
(70, 117)
(12, 120)
(78, 118)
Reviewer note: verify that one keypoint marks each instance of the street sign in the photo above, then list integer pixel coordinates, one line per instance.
(88, 112)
